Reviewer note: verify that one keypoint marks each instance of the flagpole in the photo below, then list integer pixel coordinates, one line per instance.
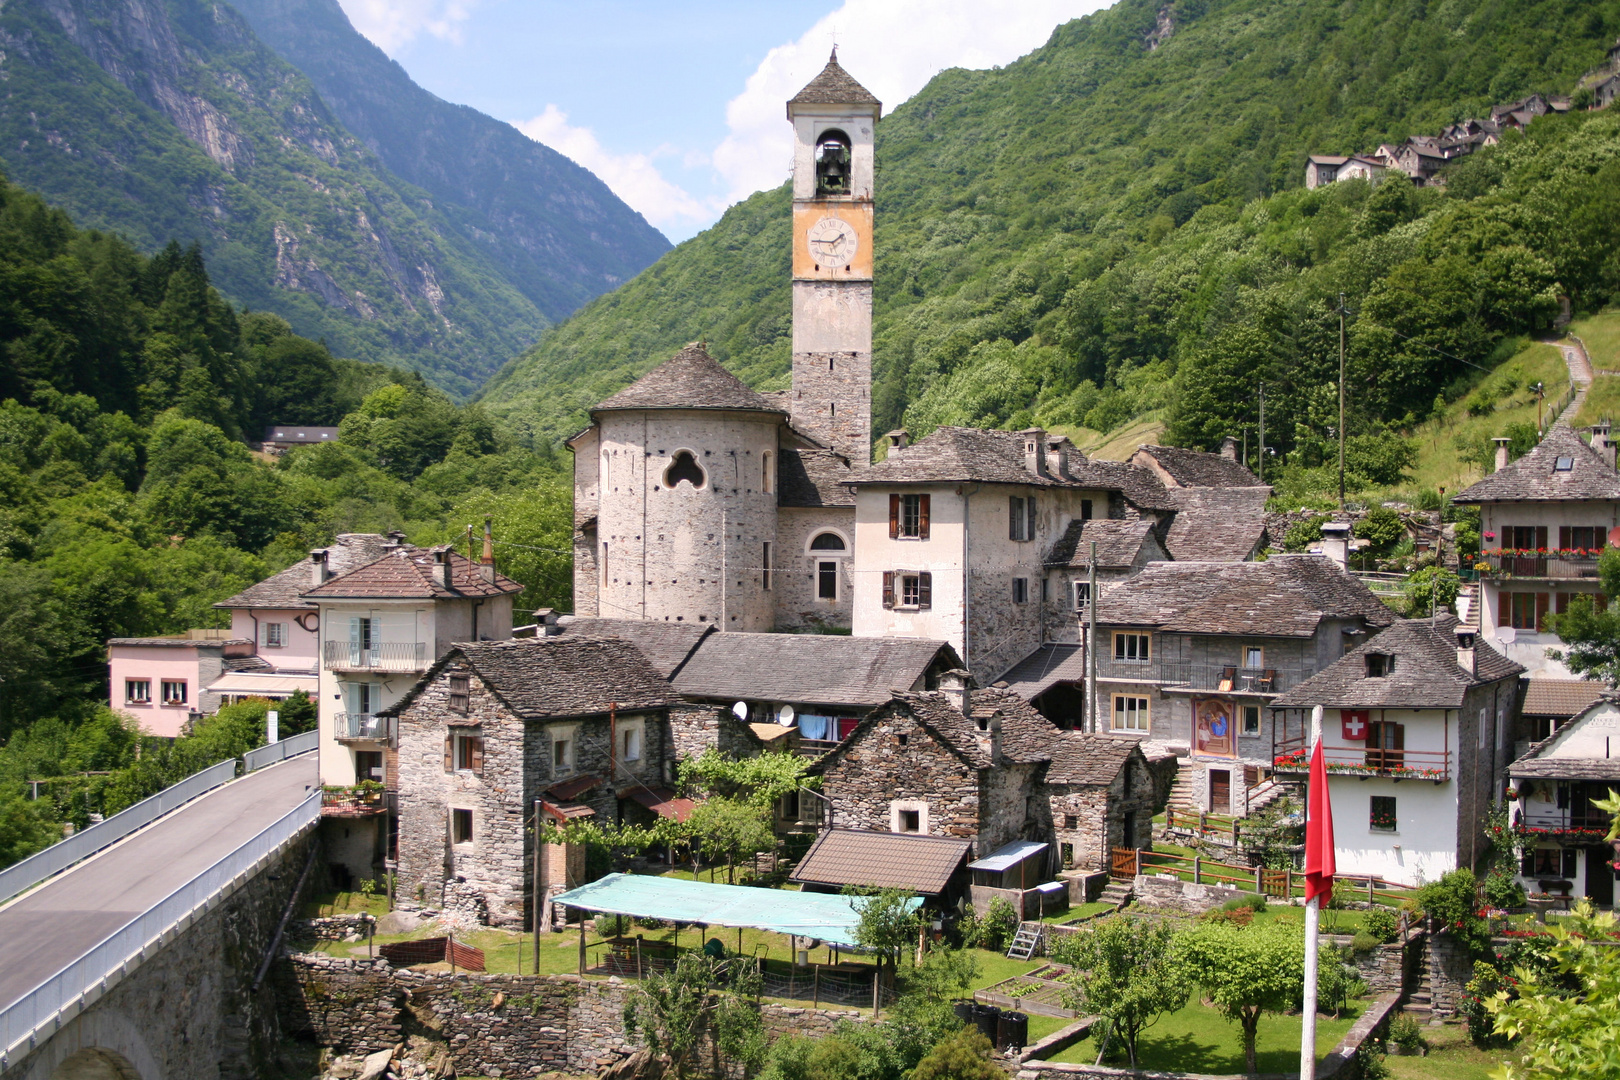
(1313, 910)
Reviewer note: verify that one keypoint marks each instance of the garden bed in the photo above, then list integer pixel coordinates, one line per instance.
(1039, 992)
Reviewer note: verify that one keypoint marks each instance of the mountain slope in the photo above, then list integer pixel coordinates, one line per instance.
(1008, 198)
(553, 228)
(169, 119)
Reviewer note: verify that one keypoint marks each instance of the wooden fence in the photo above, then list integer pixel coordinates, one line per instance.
(432, 951)
(1280, 884)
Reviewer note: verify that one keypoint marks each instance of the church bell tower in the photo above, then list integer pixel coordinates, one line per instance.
(833, 122)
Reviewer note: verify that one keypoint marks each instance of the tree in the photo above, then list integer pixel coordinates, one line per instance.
(1593, 636)
(1127, 973)
(1567, 1019)
(963, 1056)
(759, 781)
(730, 829)
(1431, 587)
(1246, 971)
(673, 1009)
(889, 921)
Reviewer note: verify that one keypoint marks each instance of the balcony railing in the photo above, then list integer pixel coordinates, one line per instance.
(1563, 565)
(1562, 821)
(379, 656)
(1370, 761)
(1210, 676)
(361, 800)
(363, 727)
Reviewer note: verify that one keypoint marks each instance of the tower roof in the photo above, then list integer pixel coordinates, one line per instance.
(834, 86)
(691, 379)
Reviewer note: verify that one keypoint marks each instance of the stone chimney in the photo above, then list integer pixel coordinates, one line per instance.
(441, 567)
(1336, 542)
(899, 439)
(1603, 440)
(1229, 448)
(1465, 650)
(957, 685)
(318, 572)
(486, 563)
(990, 740)
(1057, 456)
(1501, 452)
(1034, 450)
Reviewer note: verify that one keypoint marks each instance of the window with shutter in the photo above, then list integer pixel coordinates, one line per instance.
(1015, 518)
(894, 517)
(1569, 868)
(925, 589)
(923, 502)
(459, 694)
(475, 756)
(1541, 610)
(1029, 518)
(888, 588)
(449, 753)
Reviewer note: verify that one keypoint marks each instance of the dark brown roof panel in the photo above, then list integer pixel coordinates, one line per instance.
(1285, 596)
(812, 669)
(880, 860)
(407, 574)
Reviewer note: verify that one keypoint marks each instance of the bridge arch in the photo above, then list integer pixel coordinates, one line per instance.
(99, 1044)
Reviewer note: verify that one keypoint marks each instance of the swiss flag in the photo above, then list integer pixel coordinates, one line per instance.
(1319, 864)
(1353, 725)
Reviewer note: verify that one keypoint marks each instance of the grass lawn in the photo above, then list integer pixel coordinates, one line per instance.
(1451, 1057)
(1197, 1039)
(345, 903)
(1601, 333)
(1077, 911)
(1602, 401)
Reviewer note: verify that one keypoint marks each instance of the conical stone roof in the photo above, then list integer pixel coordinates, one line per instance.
(691, 379)
(834, 86)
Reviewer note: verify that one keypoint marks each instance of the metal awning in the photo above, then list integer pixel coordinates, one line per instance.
(1008, 856)
(265, 684)
(663, 802)
(829, 916)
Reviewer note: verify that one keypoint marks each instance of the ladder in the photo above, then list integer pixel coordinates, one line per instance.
(1024, 942)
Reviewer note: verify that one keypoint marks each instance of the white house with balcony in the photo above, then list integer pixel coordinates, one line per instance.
(1544, 520)
(1417, 731)
(1563, 853)
(381, 626)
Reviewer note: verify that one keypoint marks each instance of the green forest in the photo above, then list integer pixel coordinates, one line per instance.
(1101, 230)
(130, 501)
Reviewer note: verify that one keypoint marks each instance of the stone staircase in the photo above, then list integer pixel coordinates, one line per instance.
(1265, 793)
(1420, 1002)
(1183, 793)
(1468, 605)
(1118, 893)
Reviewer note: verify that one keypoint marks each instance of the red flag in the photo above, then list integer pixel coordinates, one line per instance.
(1319, 865)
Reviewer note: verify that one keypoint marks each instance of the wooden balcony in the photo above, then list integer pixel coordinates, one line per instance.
(1539, 566)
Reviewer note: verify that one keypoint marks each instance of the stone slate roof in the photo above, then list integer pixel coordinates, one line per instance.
(1044, 668)
(1195, 468)
(833, 86)
(1026, 735)
(1082, 758)
(1119, 541)
(883, 860)
(177, 641)
(1426, 674)
(957, 454)
(1285, 596)
(1560, 697)
(552, 678)
(408, 574)
(666, 645)
(1139, 485)
(284, 590)
(812, 478)
(691, 379)
(1217, 524)
(813, 669)
(1532, 478)
(1533, 767)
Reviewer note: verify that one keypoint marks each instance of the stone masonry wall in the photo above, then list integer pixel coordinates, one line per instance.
(697, 726)
(875, 770)
(1451, 965)
(798, 605)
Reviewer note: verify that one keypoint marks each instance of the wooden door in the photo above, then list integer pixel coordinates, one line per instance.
(1220, 791)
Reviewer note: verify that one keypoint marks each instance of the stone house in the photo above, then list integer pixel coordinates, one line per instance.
(496, 731)
(1544, 520)
(1417, 730)
(1551, 792)
(1191, 653)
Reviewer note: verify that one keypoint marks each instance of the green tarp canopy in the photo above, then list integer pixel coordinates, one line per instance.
(829, 916)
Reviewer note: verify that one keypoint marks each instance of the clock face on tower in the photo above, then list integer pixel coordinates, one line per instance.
(832, 242)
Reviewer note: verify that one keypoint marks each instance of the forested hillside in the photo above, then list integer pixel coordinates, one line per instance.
(1076, 238)
(128, 505)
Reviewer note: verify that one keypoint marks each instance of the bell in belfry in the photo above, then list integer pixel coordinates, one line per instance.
(832, 164)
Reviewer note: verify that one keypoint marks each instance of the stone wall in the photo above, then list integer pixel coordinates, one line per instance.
(1163, 891)
(795, 582)
(1098, 814)
(874, 770)
(332, 928)
(1451, 965)
(697, 726)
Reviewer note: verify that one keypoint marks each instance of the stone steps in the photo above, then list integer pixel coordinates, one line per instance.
(1118, 894)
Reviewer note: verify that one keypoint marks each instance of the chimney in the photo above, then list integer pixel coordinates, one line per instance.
(1336, 542)
(1465, 650)
(441, 567)
(1229, 448)
(1603, 440)
(899, 439)
(1057, 456)
(992, 744)
(486, 564)
(1501, 452)
(317, 567)
(1034, 450)
(957, 685)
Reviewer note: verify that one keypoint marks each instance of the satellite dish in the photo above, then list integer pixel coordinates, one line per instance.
(740, 710)
(786, 716)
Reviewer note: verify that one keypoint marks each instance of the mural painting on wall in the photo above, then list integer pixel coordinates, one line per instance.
(1212, 728)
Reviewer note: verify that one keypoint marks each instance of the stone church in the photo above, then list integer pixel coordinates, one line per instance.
(699, 500)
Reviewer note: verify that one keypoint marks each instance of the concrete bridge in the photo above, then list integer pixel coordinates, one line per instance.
(141, 961)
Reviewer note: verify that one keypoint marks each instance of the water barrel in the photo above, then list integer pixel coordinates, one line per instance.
(987, 1017)
(1012, 1030)
(964, 1010)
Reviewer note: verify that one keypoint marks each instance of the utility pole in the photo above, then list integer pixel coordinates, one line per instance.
(1341, 401)
(1262, 447)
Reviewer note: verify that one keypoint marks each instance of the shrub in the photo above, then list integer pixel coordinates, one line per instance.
(1502, 890)
(998, 926)
(1246, 902)
(1405, 1033)
(612, 925)
(1302, 534)
(1381, 924)
(1363, 943)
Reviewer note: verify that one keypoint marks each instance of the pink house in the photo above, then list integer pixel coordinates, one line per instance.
(164, 682)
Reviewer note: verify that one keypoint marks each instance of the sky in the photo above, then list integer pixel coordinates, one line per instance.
(679, 107)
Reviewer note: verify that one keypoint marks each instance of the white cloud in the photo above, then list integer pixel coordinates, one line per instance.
(633, 177)
(393, 23)
(892, 47)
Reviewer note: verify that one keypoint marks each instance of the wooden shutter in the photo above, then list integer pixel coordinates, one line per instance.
(888, 588)
(477, 746)
(894, 517)
(922, 516)
(449, 753)
(1029, 518)
(1563, 537)
(925, 587)
(1527, 862)
(1541, 536)
(1015, 516)
(1541, 609)
(1399, 737)
(1504, 609)
(1570, 866)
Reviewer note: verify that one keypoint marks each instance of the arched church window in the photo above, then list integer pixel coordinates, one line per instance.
(832, 163)
(827, 542)
(684, 467)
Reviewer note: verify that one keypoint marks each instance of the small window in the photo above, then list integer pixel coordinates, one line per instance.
(765, 566)
(1381, 816)
(469, 754)
(903, 590)
(1130, 713)
(911, 515)
(275, 635)
(1082, 595)
(827, 581)
(1020, 590)
(827, 542)
(684, 467)
(562, 755)
(631, 744)
(459, 698)
(1071, 821)
(138, 691)
(1085, 509)
(1020, 518)
(174, 692)
(1131, 648)
(1563, 464)
(902, 739)
(910, 821)
(1379, 665)
(461, 826)
(1254, 657)
(1251, 719)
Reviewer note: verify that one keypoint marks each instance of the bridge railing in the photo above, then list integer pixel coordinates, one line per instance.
(292, 746)
(49, 1005)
